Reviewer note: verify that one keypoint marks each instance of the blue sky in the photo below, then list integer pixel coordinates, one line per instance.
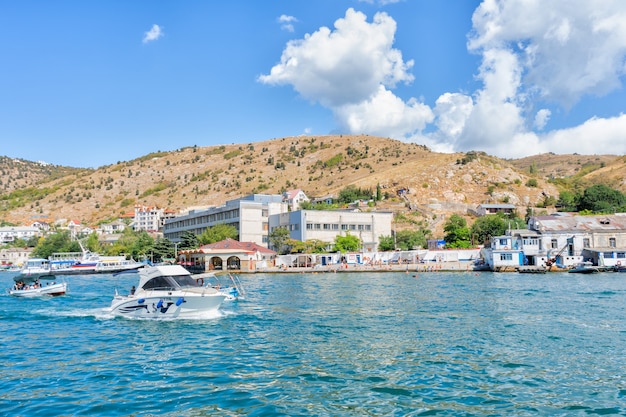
(91, 83)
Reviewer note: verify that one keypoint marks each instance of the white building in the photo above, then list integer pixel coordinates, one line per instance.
(148, 218)
(249, 215)
(14, 256)
(294, 198)
(116, 226)
(325, 225)
(11, 233)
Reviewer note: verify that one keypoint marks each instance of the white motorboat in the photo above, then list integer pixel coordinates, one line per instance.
(166, 291)
(584, 268)
(37, 286)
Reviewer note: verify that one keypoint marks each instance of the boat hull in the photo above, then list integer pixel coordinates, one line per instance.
(48, 290)
(163, 306)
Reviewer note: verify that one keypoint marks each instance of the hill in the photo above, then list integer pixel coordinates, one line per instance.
(436, 184)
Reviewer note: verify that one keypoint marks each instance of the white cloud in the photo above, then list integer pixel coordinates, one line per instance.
(344, 66)
(384, 114)
(381, 2)
(569, 48)
(595, 136)
(534, 55)
(541, 118)
(452, 111)
(350, 70)
(286, 22)
(153, 34)
(556, 52)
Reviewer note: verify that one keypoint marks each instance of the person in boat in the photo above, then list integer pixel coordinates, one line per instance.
(132, 290)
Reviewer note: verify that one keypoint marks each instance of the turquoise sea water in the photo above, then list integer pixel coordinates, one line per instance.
(371, 344)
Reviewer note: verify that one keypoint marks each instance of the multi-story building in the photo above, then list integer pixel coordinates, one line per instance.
(150, 219)
(249, 215)
(325, 225)
(11, 233)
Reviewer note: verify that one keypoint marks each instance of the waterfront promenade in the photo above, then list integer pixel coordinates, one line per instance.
(450, 266)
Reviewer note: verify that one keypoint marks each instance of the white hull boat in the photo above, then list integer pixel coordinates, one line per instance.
(37, 285)
(166, 291)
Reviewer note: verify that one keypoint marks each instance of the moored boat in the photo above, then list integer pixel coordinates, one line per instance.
(33, 269)
(584, 268)
(166, 291)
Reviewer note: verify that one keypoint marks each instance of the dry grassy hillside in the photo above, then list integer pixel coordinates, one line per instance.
(17, 174)
(437, 184)
(589, 169)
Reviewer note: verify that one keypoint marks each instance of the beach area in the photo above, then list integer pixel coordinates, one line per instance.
(451, 266)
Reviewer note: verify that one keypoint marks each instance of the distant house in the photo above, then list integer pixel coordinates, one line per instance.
(14, 256)
(485, 209)
(10, 233)
(294, 198)
(116, 226)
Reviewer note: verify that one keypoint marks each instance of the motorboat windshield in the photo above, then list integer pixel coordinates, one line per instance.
(170, 283)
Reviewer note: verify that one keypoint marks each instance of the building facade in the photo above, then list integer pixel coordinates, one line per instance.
(10, 233)
(249, 215)
(325, 225)
(565, 240)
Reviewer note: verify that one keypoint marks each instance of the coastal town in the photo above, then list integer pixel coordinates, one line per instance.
(556, 242)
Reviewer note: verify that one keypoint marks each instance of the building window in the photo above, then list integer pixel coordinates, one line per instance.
(326, 226)
(335, 227)
(506, 256)
(318, 226)
(554, 244)
(586, 243)
(621, 255)
(612, 242)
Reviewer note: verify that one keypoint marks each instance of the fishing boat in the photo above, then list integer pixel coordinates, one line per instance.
(166, 291)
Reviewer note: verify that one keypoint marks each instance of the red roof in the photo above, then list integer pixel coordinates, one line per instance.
(235, 244)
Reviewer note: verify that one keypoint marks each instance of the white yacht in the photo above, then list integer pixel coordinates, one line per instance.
(166, 291)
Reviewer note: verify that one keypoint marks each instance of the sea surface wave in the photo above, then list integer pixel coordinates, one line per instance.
(331, 344)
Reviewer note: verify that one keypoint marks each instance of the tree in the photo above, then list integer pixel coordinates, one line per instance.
(135, 244)
(487, 226)
(347, 243)
(55, 242)
(601, 199)
(278, 239)
(568, 201)
(92, 243)
(218, 233)
(163, 248)
(457, 234)
(386, 243)
(410, 239)
(188, 240)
